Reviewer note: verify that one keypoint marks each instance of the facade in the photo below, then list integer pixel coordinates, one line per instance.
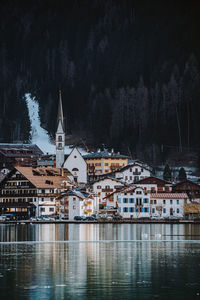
(60, 137)
(76, 164)
(132, 173)
(27, 191)
(76, 202)
(104, 187)
(133, 202)
(192, 189)
(103, 162)
(155, 185)
(166, 205)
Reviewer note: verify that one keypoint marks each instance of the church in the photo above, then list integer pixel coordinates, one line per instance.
(75, 162)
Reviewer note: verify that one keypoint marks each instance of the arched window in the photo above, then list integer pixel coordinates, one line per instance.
(60, 138)
(59, 145)
(75, 169)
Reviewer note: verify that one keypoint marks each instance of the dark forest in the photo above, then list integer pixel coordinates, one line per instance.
(129, 71)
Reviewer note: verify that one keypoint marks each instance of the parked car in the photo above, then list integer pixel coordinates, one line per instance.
(117, 217)
(78, 218)
(2, 218)
(90, 218)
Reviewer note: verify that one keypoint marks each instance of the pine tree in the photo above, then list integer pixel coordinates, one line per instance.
(182, 174)
(167, 173)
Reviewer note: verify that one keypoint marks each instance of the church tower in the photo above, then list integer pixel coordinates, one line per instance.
(60, 136)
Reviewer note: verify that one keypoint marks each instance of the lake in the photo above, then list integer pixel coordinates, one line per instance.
(100, 261)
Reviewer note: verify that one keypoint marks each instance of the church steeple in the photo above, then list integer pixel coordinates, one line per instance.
(60, 135)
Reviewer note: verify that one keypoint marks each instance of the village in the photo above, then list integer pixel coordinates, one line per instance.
(98, 186)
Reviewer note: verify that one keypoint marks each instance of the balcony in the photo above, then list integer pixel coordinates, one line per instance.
(107, 190)
(88, 202)
(136, 173)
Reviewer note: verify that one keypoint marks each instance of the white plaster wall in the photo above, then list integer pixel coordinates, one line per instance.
(75, 160)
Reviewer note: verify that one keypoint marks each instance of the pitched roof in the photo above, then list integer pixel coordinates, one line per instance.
(169, 195)
(105, 154)
(20, 150)
(44, 177)
(153, 180)
(187, 182)
(111, 178)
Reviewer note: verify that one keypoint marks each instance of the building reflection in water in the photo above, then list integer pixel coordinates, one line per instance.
(95, 269)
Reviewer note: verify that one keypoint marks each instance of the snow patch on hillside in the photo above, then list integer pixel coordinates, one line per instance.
(39, 135)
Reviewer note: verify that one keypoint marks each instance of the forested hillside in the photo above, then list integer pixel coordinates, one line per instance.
(128, 70)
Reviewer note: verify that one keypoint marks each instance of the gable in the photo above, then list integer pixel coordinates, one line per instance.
(153, 180)
(75, 157)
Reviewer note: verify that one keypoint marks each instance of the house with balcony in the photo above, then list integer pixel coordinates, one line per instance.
(27, 191)
(104, 162)
(103, 187)
(133, 202)
(154, 185)
(76, 202)
(192, 189)
(132, 173)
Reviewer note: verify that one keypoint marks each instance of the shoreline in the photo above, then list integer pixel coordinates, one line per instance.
(125, 221)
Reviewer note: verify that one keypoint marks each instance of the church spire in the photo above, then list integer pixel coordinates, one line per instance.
(60, 111)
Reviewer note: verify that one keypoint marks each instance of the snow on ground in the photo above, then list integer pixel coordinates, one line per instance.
(39, 135)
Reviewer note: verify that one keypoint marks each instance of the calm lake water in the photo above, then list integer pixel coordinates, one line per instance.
(99, 261)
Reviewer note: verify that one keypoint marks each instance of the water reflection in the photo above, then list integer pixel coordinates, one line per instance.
(107, 270)
(95, 232)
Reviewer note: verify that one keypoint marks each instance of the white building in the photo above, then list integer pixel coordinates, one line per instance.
(133, 202)
(76, 202)
(76, 164)
(106, 186)
(132, 173)
(167, 205)
(155, 185)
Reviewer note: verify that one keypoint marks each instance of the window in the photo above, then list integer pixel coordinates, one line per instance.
(59, 145)
(130, 169)
(145, 200)
(74, 207)
(125, 200)
(51, 209)
(60, 138)
(126, 177)
(119, 200)
(164, 210)
(131, 177)
(145, 209)
(125, 209)
(42, 209)
(98, 186)
(153, 210)
(42, 199)
(164, 201)
(106, 164)
(177, 210)
(138, 192)
(131, 209)
(155, 201)
(177, 201)
(131, 200)
(171, 201)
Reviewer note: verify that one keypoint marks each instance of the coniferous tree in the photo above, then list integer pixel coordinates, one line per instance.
(182, 174)
(167, 173)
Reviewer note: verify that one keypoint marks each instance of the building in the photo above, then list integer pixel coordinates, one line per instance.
(133, 202)
(192, 189)
(103, 162)
(9, 153)
(132, 173)
(154, 185)
(60, 136)
(167, 205)
(76, 164)
(104, 187)
(76, 202)
(27, 191)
